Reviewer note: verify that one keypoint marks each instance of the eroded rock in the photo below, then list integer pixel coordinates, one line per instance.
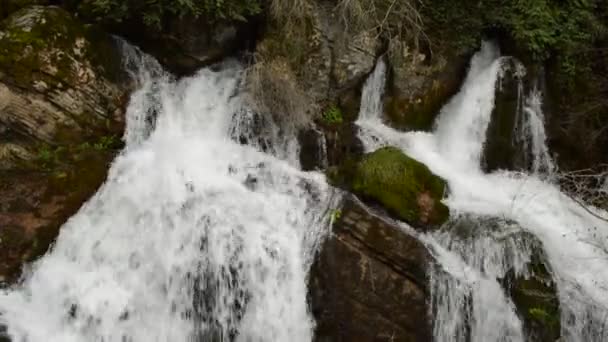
(369, 281)
(62, 93)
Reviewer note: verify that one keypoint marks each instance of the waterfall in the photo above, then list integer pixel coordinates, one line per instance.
(467, 298)
(194, 236)
(530, 133)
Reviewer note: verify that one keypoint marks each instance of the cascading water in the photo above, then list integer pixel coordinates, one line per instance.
(469, 303)
(193, 237)
(531, 135)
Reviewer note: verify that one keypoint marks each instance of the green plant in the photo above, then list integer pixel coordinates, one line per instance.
(335, 215)
(153, 12)
(332, 115)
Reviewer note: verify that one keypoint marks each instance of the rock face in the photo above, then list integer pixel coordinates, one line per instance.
(420, 85)
(58, 78)
(325, 58)
(185, 44)
(369, 282)
(404, 186)
(61, 96)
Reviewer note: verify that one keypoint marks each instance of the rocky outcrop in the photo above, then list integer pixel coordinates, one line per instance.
(369, 281)
(62, 92)
(59, 79)
(420, 84)
(402, 185)
(324, 56)
(187, 43)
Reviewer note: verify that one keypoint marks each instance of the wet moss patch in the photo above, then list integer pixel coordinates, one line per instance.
(404, 186)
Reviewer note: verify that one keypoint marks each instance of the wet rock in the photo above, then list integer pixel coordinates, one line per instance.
(402, 185)
(62, 92)
(536, 300)
(369, 282)
(355, 59)
(60, 81)
(420, 84)
(185, 44)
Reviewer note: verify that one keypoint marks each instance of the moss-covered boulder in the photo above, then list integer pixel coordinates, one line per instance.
(402, 185)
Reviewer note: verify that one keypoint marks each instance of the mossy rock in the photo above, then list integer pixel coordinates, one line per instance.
(419, 85)
(536, 298)
(61, 81)
(404, 186)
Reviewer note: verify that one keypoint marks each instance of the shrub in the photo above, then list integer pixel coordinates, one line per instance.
(152, 12)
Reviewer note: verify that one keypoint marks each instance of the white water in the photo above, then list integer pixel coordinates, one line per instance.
(530, 133)
(574, 240)
(193, 237)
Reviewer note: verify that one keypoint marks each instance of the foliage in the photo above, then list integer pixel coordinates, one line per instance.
(335, 215)
(50, 157)
(543, 28)
(152, 12)
(332, 115)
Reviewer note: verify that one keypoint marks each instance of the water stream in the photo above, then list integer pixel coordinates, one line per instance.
(205, 228)
(468, 301)
(197, 234)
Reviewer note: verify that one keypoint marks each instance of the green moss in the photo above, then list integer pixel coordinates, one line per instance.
(332, 115)
(404, 186)
(535, 298)
(43, 43)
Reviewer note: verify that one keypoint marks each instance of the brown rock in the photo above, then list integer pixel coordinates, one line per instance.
(369, 281)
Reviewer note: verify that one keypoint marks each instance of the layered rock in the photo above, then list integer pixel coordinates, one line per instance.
(62, 92)
(369, 281)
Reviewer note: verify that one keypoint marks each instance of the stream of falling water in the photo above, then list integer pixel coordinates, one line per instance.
(197, 234)
(508, 213)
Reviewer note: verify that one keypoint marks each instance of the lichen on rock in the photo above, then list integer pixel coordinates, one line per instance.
(60, 80)
(404, 186)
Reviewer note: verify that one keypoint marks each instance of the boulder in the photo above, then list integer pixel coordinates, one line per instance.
(402, 185)
(369, 281)
(420, 84)
(62, 93)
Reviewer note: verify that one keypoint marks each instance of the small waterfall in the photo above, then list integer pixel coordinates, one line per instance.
(463, 122)
(530, 134)
(468, 301)
(195, 236)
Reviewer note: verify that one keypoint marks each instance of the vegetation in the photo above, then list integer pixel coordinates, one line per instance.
(152, 12)
(542, 28)
(332, 115)
(402, 185)
(335, 215)
(53, 158)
